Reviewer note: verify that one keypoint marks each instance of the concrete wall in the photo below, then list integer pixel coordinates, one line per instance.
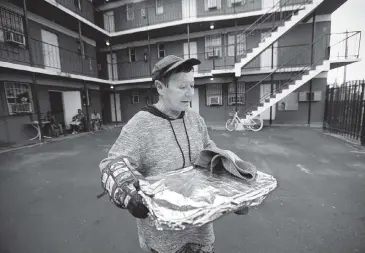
(86, 11)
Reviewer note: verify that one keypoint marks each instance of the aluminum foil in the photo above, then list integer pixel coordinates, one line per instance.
(193, 196)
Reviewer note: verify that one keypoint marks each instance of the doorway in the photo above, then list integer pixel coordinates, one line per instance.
(55, 99)
(264, 90)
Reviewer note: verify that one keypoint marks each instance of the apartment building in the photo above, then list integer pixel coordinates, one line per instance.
(267, 57)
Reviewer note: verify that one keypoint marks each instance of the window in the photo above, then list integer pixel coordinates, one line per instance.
(235, 2)
(161, 50)
(213, 46)
(112, 66)
(18, 98)
(241, 44)
(77, 3)
(213, 94)
(109, 21)
(132, 54)
(130, 12)
(240, 94)
(11, 21)
(135, 98)
(212, 5)
(159, 7)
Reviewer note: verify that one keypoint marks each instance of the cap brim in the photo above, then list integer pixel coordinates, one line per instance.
(190, 61)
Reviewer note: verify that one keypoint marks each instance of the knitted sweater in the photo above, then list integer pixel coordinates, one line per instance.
(158, 144)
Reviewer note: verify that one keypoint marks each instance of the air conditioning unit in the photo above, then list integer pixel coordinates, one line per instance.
(15, 38)
(215, 100)
(143, 12)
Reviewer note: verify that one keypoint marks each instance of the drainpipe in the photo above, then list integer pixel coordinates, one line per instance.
(149, 65)
(112, 67)
(188, 28)
(82, 71)
(34, 80)
(235, 60)
(312, 61)
(272, 80)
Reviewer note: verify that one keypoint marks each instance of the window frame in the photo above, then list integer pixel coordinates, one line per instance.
(159, 9)
(7, 97)
(130, 54)
(213, 89)
(129, 12)
(231, 95)
(161, 50)
(209, 47)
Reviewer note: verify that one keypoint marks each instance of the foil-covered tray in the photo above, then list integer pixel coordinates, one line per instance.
(194, 196)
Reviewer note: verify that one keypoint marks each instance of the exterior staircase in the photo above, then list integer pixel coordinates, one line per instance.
(284, 90)
(290, 15)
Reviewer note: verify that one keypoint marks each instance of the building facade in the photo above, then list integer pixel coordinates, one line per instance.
(267, 57)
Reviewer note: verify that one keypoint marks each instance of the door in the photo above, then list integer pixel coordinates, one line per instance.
(266, 57)
(113, 73)
(55, 99)
(195, 102)
(109, 21)
(193, 52)
(118, 117)
(265, 89)
(188, 9)
(268, 4)
(50, 50)
(71, 103)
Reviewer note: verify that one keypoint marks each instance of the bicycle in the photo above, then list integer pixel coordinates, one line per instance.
(253, 124)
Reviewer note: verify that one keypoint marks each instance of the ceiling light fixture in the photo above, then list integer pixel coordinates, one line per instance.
(107, 42)
(211, 26)
(111, 87)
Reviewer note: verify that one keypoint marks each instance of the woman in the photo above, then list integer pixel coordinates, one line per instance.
(160, 138)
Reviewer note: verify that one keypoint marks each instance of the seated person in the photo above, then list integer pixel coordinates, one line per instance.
(78, 122)
(95, 120)
(53, 128)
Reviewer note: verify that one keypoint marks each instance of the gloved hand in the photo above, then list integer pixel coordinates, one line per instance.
(242, 211)
(136, 207)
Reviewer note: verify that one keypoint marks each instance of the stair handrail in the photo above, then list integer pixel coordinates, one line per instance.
(280, 6)
(306, 68)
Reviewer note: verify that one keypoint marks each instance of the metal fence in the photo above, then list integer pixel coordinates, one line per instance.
(345, 110)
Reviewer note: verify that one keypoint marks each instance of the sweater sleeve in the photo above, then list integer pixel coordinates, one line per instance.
(128, 145)
(208, 143)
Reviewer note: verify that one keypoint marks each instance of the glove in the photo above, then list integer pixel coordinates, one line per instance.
(135, 204)
(242, 211)
(117, 181)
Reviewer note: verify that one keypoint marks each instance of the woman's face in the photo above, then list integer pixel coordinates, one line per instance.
(180, 91)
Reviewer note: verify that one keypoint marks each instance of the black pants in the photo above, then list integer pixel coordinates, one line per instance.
(193, 248)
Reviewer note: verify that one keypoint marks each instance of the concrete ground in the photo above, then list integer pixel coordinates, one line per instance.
(48, 197)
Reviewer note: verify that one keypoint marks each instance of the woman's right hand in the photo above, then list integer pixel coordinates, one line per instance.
(136, 207)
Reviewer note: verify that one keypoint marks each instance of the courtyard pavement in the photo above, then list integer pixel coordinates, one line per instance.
(48, 197)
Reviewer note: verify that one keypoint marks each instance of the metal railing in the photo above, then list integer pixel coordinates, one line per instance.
(345, 110)
(16, 50)
(84, 8)
(275, 17)
(295, 73)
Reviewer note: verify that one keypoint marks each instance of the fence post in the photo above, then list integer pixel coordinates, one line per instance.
(362, 137)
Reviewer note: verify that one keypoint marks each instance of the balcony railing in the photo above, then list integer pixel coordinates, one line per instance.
(16, 50)
(84, 8)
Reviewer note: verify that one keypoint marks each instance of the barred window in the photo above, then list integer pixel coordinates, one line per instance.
(161, 50)
(240, 94)
(18, 98)
(11, 21)
(213, 94)
(213, 46)
(130, 12)
(241, 44)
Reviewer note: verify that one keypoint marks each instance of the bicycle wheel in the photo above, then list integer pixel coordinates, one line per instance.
(231, 125)
(256, 124)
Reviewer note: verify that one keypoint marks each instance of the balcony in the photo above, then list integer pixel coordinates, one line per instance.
(14, 49)
(83, 8)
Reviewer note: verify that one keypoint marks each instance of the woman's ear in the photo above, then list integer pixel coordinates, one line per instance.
(160, 87)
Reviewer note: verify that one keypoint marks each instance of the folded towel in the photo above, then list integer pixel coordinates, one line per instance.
(213, 157)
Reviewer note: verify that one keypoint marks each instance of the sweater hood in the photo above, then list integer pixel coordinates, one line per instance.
(153, 110)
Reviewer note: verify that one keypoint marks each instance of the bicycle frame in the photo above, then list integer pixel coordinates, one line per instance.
(244, 122)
